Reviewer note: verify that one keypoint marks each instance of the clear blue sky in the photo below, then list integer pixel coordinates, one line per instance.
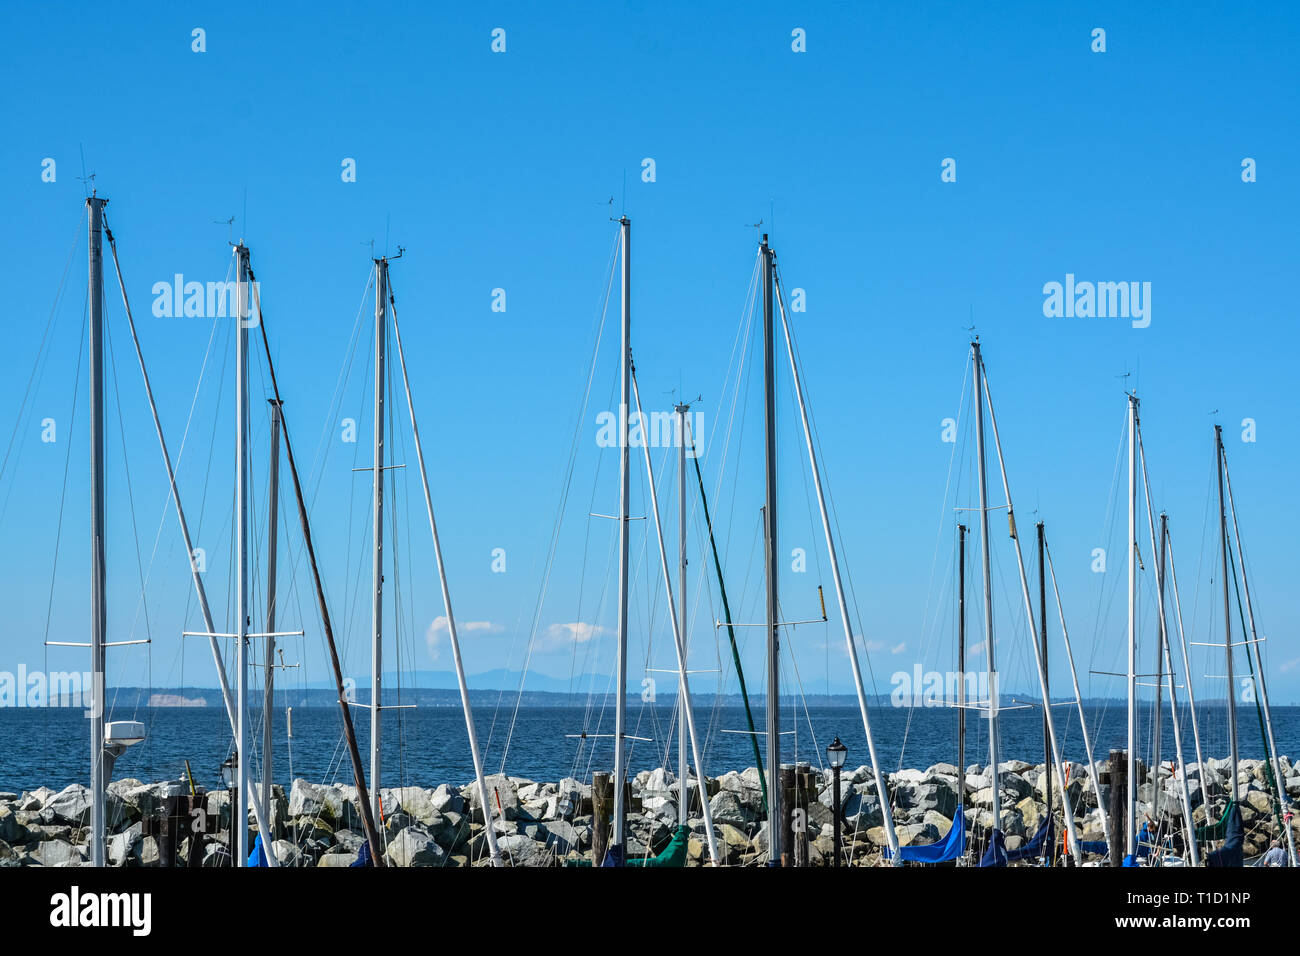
(493, 171)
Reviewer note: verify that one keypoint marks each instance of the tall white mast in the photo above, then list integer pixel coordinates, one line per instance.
(452, 635)
(1227, 616)
(1078, 696)
(239, 815)
(1260, 682)
(272, 541)
(683, 795)
(679, 641)
(1130, 823)
(617, 841)
(1167, 657)
(775, 817)
(227, 697)
(891, 835)
(1040, 662)
(98, 613)
(1187, 664)
(377, 535)
(990, 667)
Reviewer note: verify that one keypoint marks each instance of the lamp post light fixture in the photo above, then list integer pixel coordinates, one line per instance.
(835, 754)
(230, 778)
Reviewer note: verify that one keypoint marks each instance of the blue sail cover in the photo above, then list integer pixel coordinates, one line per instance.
(258, 855)
(996, 854)
(363, 856)
(1232, 853)
(1034, 848)
(614, 856)
(949, 849)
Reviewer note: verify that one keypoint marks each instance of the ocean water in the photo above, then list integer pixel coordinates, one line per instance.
(427, 746)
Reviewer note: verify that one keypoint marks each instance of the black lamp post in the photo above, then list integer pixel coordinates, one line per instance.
(836, 753)
(230, 777)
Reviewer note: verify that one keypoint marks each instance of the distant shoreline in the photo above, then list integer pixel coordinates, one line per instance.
(200, 697)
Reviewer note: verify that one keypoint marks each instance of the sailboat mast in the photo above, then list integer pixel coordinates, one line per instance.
(1040, 661)
(239, 816)
(1227, 615)
(617, 842)
(1260, 681)
(961, 675)
(1078, 695)
(775, 818)
(345, 711)
(1130, 832)
(1187, 665)
(1048, 851)
(452, 636)
(990, 668)
(377, 536)
(891, 835)
(227, 698)
(1167, 661)
(679, 644)
(683, 794)
(272, 545)
(1160, 666)
(98, 614)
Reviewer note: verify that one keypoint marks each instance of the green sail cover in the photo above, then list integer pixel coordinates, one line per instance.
(673, 855)
(1216, 831)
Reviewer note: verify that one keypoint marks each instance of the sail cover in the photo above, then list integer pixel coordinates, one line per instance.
(996, 854)
(673, 855)
(1232, 852)
(949, 849)
(363, 856)
(1034, 848)
(1216, 831)
(258, 855)
(614, 856)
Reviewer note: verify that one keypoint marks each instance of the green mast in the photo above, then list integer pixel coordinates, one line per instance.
(731, 630)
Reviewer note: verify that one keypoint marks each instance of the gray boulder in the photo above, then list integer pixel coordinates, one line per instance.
(502, 794)
(560, 838)
(414, 847)
(518, 849)
(730, 806)
(337, 857)
(59, 853)
(122, 846)
(11, 829)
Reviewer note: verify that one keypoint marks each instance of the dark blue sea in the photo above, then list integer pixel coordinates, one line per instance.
(428, 745)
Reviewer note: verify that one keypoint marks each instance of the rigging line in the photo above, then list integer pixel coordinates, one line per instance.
(37, 365)
(566, 485)
(582, 574)
(352, 604)
(318, 467)
(1109, 523)
(67, 461)
(587, 532)
(744, 372)
(1200, 559)
(142, 603)
(372, 836)
(185, 434)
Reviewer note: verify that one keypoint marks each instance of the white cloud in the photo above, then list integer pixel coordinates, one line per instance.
(437, 632)
(876, 647)
(576, 632)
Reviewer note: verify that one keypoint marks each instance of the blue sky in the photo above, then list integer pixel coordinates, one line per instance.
(493, 170)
